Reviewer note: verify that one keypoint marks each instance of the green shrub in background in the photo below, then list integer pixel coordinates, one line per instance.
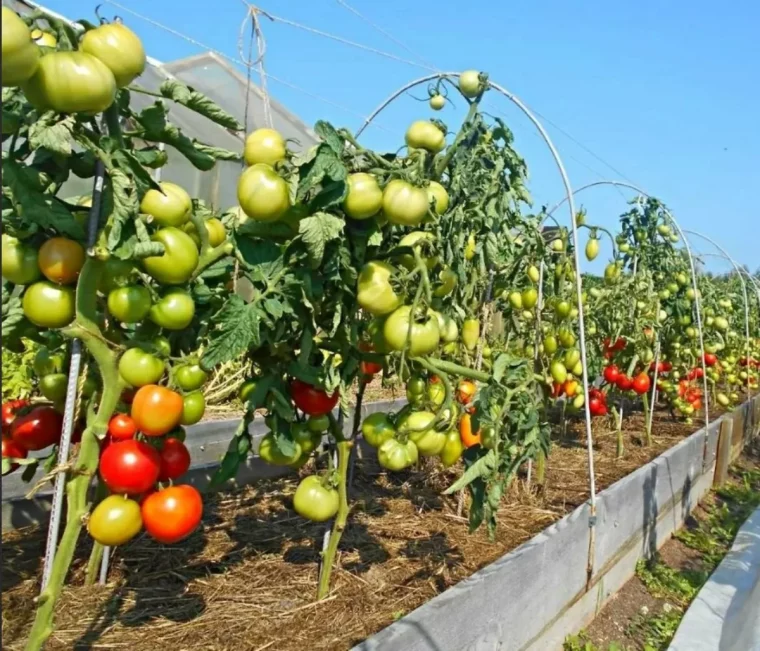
(19, 380)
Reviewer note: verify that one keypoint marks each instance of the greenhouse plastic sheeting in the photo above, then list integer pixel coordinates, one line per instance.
(726, 613)
(211, 75)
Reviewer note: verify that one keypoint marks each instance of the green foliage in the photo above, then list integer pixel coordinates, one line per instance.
(18, 372)
(663, 582)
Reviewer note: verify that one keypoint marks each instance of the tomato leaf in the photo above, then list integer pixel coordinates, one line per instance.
(500, 367)
(152, 157)
(263, 258)
(283, 443)
(198, 102)
(126, 208)
(130, 165)
(480, 468)
(237, 452)
(22, 187)
(330, 136)
(326, 164)
(53, 133)
(237, 329)
(316, 231)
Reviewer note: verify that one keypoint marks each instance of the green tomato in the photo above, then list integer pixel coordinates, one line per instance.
(246, 389)
(375, 293)
(572, 357)
(533, 273)
(20, 54)
(71, 82)
(452, 450)
(592, 249)
(116, 273)
(376, 336)
(190, 377)
(448, 281)
(138, 368)
(550, 344)
(437, 102)
(515, 300)
(566, 338)
(419, 427)
(47, 363)
(377, 428)
(364, 198)
(193, 408)
(438, 196)
(48, 305)
(425, 333)
(270, 453)
(19, 262)
(179, 260)
(424, 134)
(315, 501)
(469, 83)
(405, 204)
(162, 347)
(53, 386)
(558, 371)
(115, 520)
(562, 309)
(129, 304)
(394, 455)
(265, 146)
(436, 393)
(171, 206)
(448, 328)
(119, 48)
(318, 424)
(307, 439)
(174, 310)
(529, 298)
(411, 240)
(488, 437)
(470, 333)
(262, 193)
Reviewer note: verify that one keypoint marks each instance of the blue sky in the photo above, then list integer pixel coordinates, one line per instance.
(667, 93)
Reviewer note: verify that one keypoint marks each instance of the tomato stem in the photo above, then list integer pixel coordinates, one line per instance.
(328, 556)
(440, 168)
(645, 402)
(457, 369)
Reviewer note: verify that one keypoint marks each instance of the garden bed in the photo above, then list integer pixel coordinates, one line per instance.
(247, 580)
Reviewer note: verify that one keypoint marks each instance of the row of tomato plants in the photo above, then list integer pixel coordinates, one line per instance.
(427, 268)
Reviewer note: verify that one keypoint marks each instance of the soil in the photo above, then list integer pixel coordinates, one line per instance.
(247, 579)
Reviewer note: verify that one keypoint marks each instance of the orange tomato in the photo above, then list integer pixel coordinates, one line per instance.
(156, 410)
(570, 387)
(465, 432)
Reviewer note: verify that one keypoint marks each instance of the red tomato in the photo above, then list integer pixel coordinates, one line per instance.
(312, 400)
(710, 359)
(130, 467)
(624, 383)
(38, 429)
(611, 373)
(695, 373)
(175, 460)
(371, 368)
(9, 411)
(620, 344)
(641, 383)
(593, 392)
(156, 410)
(556, 389)
(172, 514)
(122, 427)
(597, 407)
(13, 450)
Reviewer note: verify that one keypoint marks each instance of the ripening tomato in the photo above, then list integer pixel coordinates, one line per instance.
(405, 204)
(171, 206)
(121, 427)
(129, 304)
(375, 293)
(437, 102)
(469, 83)
(38, 429)
(425, 332)
(20, 54)
(611, 374)
(264, 146)
(174, 310)
(61, 260)
(19, 261)
(364, 197)
(262, 193)
(156, 410)
(424, 134)
(316, 500)
(175, 460)
(130, 467)
(470, 333)
(71, 82)
(172, 514)
(44, 39)
(12, 450)
(312, 400)
(466, 391)
(115, 521)
(119, 48)
(178, 261)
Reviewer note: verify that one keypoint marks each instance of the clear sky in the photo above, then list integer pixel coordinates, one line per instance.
(667, 92)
